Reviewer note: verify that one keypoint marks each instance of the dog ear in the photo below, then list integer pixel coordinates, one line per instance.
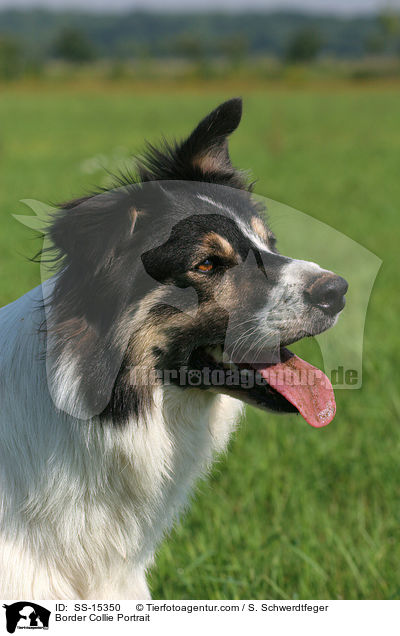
(207, 146)
(203, 156)
(87, 301)
(85, 231)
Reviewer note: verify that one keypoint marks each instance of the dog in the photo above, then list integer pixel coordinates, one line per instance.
(124, 375)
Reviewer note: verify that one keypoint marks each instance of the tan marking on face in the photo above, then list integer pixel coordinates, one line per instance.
(140, 350)
(216, 245)
(150, 330)
(259, 228)
(144, 331)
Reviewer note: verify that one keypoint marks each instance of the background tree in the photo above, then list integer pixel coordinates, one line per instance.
(389, 23)
(235, 49)
(375, 44)
(190, 47)
(73, 46)
(303, 46)
(11, 58)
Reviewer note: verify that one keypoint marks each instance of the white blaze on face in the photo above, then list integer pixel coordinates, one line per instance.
(220, 206)
(247, 231)
(254, 239)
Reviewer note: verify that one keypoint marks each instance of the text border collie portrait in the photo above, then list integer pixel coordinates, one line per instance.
(124, 375)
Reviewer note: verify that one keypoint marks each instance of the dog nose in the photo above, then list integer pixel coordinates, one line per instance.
(327, 292)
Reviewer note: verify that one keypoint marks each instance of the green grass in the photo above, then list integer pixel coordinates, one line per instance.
(291, 511)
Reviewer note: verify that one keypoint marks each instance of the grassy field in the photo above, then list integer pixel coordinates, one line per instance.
(291, 511)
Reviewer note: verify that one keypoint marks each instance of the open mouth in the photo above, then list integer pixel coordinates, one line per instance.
(290, 385)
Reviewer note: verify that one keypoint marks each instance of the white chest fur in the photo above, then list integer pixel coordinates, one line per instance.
(84, 506)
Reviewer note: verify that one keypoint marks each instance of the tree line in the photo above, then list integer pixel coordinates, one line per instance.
(38, 35)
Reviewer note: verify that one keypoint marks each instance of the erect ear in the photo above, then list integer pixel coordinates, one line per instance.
(203, 156)
(207, 146)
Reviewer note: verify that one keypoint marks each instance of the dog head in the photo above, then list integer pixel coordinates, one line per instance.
(177, 269)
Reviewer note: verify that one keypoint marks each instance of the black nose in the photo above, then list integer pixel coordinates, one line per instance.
(327, 292)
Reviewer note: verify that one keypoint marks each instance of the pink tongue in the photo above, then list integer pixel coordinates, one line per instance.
(304, 386)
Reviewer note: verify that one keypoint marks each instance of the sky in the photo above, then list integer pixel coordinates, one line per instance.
(326, 6)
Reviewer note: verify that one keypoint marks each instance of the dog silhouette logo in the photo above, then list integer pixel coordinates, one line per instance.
(26, 615)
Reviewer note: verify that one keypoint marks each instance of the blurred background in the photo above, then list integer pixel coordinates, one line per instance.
(291, 512)
(268, 41)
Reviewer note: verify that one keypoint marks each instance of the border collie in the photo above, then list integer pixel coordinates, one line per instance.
(124, 375)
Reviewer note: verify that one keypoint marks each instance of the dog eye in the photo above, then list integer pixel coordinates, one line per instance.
(206, 266)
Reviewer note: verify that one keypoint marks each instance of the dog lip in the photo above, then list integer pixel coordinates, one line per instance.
(263, 395)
